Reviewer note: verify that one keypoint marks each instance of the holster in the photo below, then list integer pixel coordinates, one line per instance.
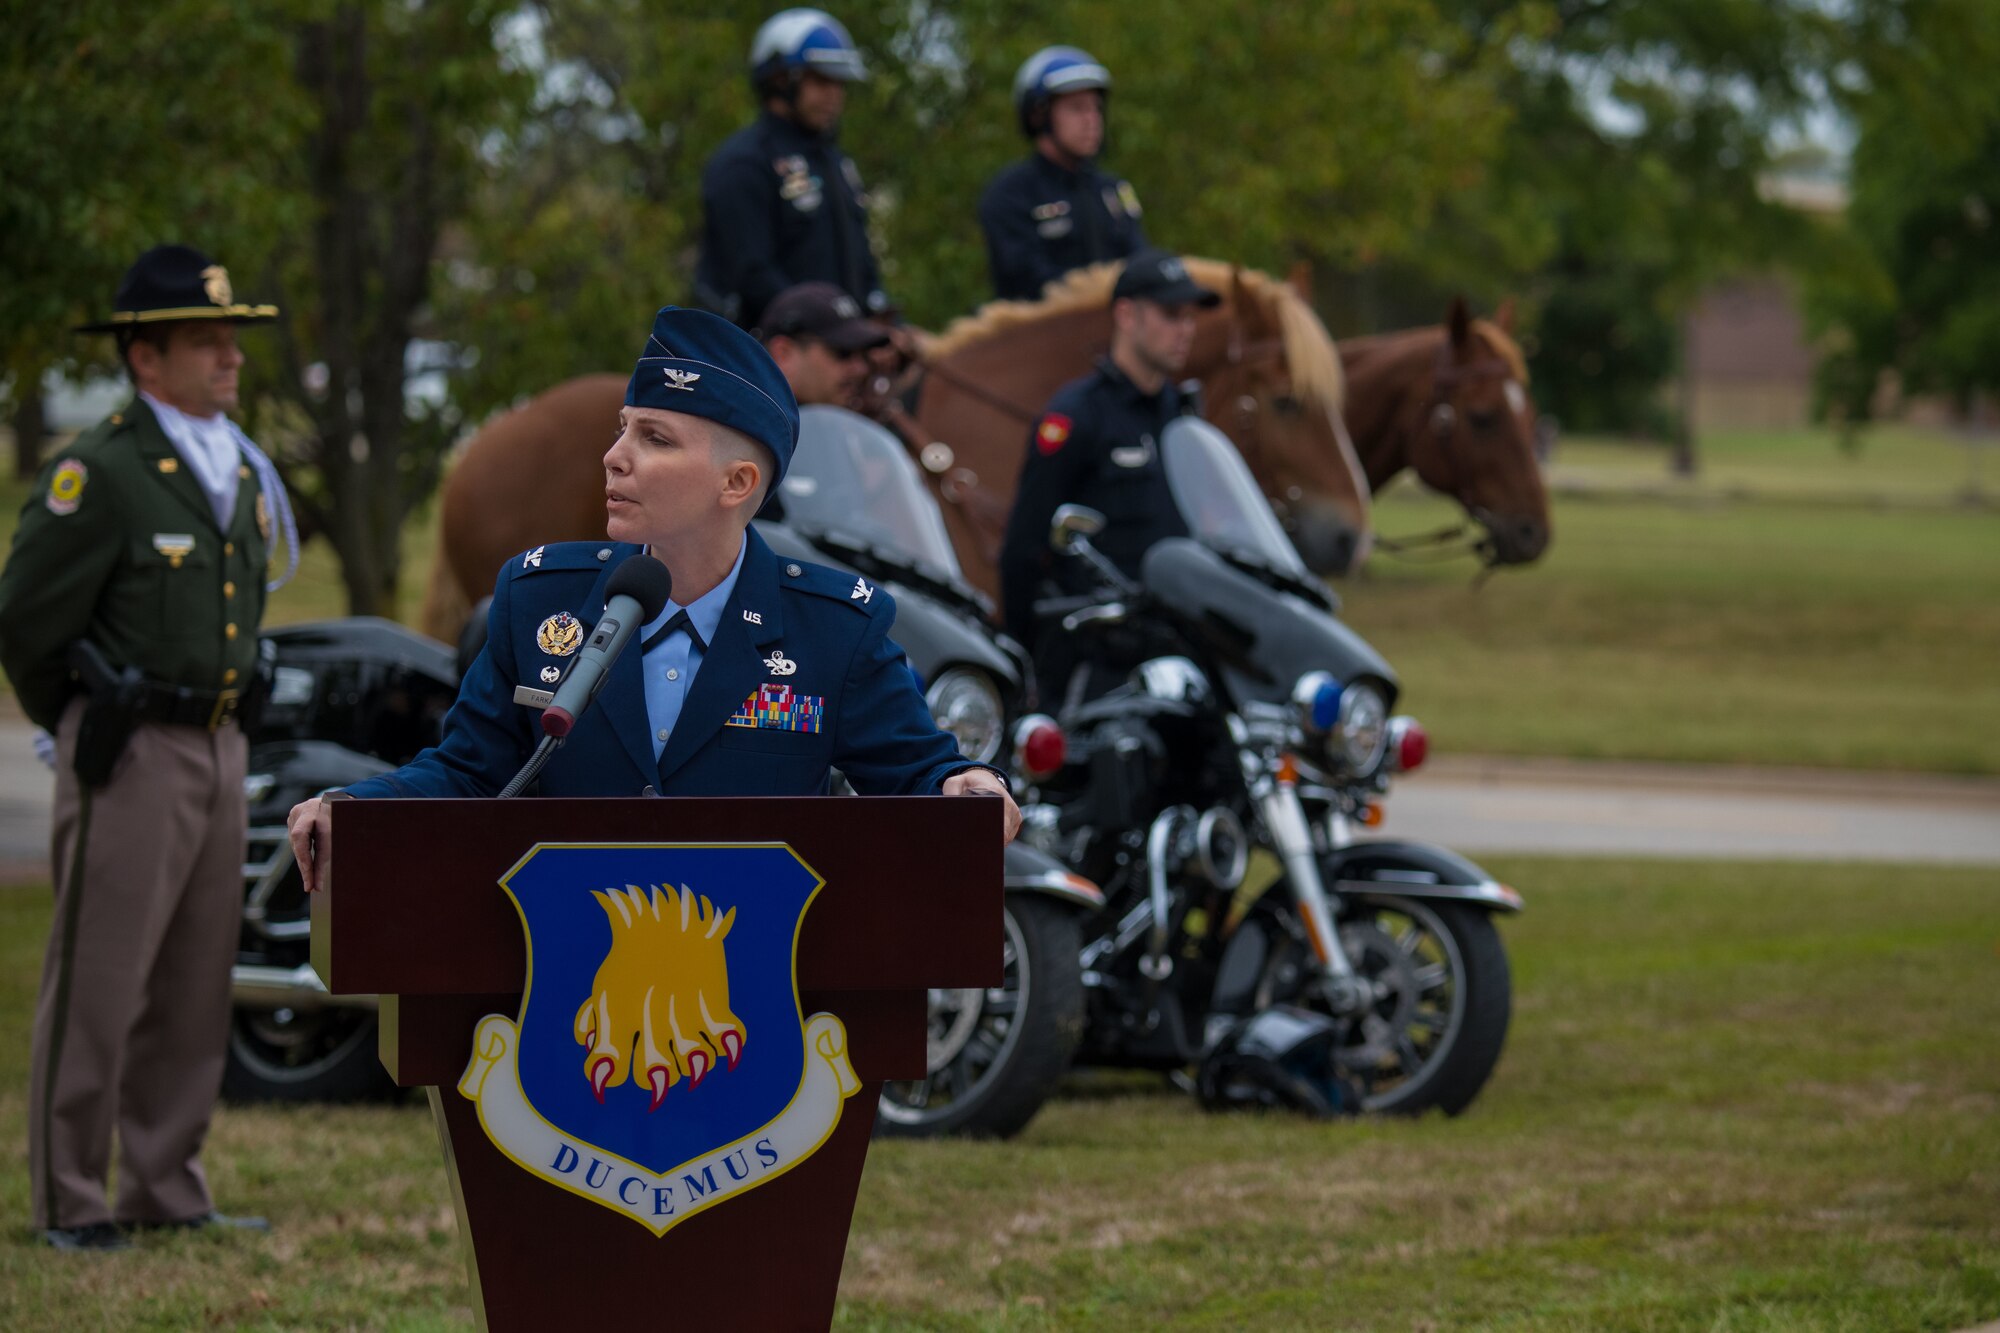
(110, 712)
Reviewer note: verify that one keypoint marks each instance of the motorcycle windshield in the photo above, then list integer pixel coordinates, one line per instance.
(1220, 500)
(852, 479)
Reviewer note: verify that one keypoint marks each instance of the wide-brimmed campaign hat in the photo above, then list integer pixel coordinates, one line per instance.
(1155, 275)
(173, 282)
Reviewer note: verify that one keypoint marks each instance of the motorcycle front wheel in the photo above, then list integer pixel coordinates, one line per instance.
(1442, 997)
(996, 1053)
(318, 1055)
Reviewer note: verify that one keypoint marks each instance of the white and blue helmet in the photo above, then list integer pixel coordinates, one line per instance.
(1047, 75)
(799, 40)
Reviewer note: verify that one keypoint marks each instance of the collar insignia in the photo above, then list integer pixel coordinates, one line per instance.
(862, 592)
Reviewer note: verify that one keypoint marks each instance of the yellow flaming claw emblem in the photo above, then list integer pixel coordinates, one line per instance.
(659, 1007)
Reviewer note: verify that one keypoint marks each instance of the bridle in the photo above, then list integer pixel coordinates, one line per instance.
(1444, 543)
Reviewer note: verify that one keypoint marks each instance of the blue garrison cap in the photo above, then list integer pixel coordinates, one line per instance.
(703, 365)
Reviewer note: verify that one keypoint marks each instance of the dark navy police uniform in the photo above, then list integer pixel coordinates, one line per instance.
(1097, 444)
(802, 677)
(1042, 221)
(782, 206)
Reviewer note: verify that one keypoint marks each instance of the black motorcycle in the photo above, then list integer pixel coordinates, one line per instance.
(1248, 727)
(351, 698)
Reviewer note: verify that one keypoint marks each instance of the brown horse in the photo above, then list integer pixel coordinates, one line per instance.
(1270, 376)
(1270, 380)
(1451, 402)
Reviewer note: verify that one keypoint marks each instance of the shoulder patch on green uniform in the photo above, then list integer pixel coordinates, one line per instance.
(863, 594)
(66, 485)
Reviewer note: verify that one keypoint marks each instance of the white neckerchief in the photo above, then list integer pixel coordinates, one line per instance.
(208, 446)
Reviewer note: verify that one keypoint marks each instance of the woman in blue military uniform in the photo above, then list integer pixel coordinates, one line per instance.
(757, 679)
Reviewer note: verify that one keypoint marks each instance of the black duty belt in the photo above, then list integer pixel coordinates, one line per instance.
(180, 706)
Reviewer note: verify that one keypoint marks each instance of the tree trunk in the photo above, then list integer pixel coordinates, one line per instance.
(30, 424)
(1684, 427)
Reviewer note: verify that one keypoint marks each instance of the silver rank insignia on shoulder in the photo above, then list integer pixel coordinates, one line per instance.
(753, 617)
(681, 379)
(551, 674)
(533, 559)
(862, 592)
(780, 665)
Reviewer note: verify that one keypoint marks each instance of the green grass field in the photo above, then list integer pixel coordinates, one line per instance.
(1792, 605)
(1734, 1097)
(1724, 622)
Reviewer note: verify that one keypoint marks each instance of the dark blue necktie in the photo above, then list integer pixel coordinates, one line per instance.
(679, 620)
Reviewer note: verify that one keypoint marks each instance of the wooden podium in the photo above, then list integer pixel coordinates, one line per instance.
(414, 913)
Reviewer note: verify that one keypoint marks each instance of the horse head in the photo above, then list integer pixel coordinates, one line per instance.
(1272, 382)
(1452, 403)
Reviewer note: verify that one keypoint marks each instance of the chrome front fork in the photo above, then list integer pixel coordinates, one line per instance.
(1291, 837)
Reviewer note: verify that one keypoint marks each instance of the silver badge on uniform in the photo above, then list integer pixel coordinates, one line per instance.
(780, 665)
(550, 675)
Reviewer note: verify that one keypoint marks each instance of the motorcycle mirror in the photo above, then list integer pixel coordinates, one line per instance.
(1071, 522)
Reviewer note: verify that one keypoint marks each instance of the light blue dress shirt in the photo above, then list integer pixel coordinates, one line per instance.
(671, 664)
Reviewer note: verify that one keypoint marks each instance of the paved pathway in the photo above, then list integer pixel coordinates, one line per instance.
(1500, 805)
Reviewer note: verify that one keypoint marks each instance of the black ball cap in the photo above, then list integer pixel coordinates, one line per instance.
(177, 282)
(1160, 277)
(645, 580)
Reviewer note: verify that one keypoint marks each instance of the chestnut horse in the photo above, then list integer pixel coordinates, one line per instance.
(1452, 403)
(1270, 379)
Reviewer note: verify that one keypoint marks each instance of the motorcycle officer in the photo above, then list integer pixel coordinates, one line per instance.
(1097, 444)
(781, 203)
(1054, 211)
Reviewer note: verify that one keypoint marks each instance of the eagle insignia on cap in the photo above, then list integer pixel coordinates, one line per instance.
(215, 281)
(681, 379)
(559, 635)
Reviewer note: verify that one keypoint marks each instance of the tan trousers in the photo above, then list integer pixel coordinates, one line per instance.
(132, 1022)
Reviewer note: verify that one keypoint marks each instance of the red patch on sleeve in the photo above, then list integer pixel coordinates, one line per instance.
(1053, 433)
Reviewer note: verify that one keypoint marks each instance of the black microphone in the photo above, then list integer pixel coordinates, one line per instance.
(636, 592)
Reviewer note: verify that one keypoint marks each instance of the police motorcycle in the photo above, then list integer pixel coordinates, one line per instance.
(853, 498)
(1243, 715)
(351, 698)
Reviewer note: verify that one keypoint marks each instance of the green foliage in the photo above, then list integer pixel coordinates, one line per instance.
(1918, 293)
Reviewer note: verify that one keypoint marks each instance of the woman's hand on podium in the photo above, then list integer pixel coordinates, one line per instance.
(310, 828)
(982, 782)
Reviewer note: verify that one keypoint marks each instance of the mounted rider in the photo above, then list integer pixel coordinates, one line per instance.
(781, 203)
(1054, 211)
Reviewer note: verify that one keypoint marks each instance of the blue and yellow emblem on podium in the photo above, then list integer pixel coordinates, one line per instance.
(661, 1062)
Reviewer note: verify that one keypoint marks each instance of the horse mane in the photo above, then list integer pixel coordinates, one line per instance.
(1505, 347)
(1310, 356)
(1369, 345)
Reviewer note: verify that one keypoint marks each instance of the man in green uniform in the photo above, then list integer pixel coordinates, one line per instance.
(128, 625)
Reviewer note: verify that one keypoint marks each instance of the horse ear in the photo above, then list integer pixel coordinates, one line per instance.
(1300, 280)
(1503, 318)
(1458, 321)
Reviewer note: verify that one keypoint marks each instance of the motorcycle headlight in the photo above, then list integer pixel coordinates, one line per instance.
(1363, 727)
(966, 706)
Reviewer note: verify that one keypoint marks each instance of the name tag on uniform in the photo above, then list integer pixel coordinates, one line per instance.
(1054, 229)
(1132, 455)
(529, 696)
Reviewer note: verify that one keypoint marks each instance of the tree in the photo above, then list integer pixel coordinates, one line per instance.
(1918, 293)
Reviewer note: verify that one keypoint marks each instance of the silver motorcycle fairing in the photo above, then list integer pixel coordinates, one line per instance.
(1413, 870)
